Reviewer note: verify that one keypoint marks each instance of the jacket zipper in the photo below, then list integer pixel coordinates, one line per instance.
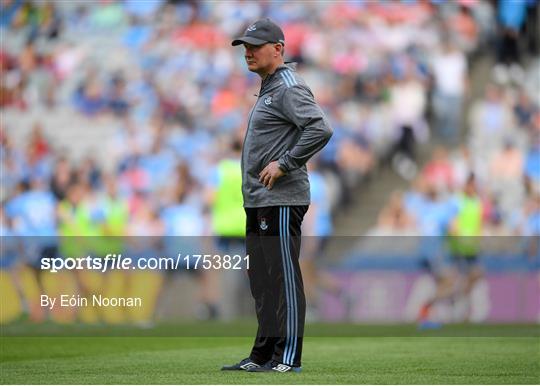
(252, 111)
(247, 131)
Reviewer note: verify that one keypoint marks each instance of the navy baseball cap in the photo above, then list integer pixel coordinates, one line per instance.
(261, 32)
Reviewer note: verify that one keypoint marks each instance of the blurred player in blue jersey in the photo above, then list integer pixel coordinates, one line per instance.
(185, 227)
(433, 217)
(32, 211)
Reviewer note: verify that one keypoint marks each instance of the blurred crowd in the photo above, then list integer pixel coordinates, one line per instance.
(166, 74)
(501, 151)
(389, 74)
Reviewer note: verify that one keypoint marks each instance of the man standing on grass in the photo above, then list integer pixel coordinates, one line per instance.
(285, 129)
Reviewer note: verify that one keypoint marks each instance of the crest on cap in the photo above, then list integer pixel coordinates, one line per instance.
(260, 32)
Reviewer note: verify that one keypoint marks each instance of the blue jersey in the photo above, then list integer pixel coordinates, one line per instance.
(34, 217)
(532, 164)
(183, 223)
(432, 217)
(33, 213)
(512, 13)
(159, 167)
(532, 224)
(319, 197)
(183, 220)
(9, 248)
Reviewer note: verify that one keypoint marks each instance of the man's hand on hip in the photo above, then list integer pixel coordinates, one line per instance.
(270, 174)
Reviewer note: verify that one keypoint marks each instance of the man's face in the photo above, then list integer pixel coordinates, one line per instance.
(260, 58)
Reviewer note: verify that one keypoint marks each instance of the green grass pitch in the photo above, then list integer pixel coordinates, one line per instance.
(327, 360)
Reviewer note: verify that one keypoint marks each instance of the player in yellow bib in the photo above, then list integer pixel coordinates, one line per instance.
(228, 220)
(465, 232)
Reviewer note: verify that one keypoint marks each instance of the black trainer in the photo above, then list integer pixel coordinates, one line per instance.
(275, 366)
(245, 364)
